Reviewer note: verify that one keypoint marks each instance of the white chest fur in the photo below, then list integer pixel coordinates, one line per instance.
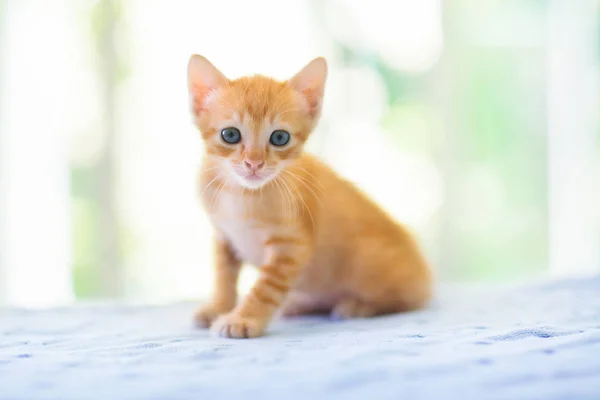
(234, 217)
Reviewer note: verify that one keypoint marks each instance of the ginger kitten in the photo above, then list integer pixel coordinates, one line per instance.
(319, 243)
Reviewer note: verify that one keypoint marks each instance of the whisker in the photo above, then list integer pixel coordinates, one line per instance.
(309, 173)
(308, 182)
(204, 169)
(251, 205)
(209, 184)
(217, 195)
(289, 197)
(261, 196)
(277, 184)
(301, 199)
(315, 195)
(290, 201)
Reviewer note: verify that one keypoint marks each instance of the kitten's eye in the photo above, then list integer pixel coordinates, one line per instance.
(279, 138)
(231, 135)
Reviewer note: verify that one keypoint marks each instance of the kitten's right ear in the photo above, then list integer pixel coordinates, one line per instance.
(203, 79)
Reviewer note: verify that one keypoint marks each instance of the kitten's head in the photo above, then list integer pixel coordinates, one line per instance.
(253, 127)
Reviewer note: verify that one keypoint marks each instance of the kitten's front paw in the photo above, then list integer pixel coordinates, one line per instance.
(236, 327)
(207, 314)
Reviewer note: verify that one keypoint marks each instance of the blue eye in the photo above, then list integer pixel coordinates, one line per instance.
(279, 138)
(231, 135)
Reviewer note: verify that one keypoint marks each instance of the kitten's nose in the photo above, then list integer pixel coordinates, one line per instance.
(254, 165)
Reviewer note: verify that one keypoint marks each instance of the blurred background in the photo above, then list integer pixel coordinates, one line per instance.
(476, 123)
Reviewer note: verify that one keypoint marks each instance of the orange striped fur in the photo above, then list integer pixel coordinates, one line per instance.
(320, 244)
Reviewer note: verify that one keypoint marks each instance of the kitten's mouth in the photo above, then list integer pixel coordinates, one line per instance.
(254, 177)
(253, 180)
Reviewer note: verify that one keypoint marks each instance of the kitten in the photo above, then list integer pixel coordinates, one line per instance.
(319, 243)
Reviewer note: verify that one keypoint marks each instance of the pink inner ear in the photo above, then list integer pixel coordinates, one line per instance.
(312, 99)
(199, 94)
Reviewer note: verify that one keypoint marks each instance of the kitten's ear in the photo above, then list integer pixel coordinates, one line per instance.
(310, 81)
(203, 78)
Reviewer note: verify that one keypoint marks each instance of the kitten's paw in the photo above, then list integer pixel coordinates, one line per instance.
(236, 327)
(351, 307)
(207, 314)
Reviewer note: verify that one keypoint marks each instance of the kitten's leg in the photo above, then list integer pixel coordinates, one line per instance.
(352, 307)
(224, 297)
(284, 261)
(389, 290)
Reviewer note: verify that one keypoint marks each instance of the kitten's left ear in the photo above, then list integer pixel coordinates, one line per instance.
(203, 79)
(310, 82)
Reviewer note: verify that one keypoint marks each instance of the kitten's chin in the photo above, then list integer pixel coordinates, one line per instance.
(252, 182)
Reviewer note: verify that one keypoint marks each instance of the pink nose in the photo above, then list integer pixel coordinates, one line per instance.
(254, 165)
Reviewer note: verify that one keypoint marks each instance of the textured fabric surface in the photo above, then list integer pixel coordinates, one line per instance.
(527, 342)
